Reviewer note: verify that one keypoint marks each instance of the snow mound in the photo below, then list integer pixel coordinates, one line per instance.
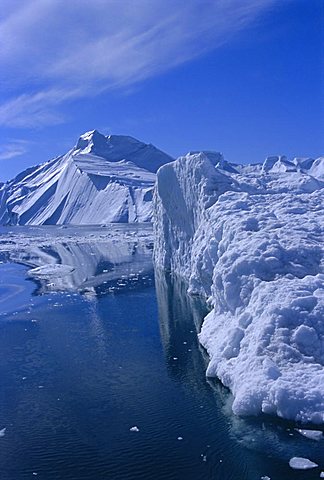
(101, 180)
(252, 244)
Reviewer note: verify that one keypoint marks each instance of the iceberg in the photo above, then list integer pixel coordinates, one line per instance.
(250, 241)
(103, 179)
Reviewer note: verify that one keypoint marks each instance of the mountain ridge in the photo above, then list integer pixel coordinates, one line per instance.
(102, 179)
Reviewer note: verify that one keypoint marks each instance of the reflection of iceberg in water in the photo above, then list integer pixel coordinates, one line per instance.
(92, 260)
(180, 317)
(181, 314)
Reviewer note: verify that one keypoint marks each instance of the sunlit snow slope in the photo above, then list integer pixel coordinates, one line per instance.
(101, 180)
(250, 239)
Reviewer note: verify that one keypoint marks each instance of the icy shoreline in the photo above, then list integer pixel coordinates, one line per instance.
(250, 241)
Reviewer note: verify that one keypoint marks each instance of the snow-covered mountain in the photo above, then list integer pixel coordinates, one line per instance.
(252, 242)
(103, 179)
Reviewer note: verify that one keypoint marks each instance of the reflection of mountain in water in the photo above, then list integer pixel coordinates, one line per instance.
(91, 260)
(180, 317)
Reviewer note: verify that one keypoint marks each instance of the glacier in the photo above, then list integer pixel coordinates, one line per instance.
(103, 179)
(249, 238)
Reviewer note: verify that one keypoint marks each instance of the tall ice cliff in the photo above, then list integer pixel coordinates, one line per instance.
(250, 240)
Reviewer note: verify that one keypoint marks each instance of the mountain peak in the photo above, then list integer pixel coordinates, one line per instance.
(89, 140)
(114, 148)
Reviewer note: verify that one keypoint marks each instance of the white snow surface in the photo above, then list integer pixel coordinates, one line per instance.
(251, 243)
(103, 179)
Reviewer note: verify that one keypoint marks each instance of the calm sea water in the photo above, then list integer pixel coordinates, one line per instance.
(88, 353)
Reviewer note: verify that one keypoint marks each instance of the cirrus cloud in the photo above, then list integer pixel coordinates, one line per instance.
(14, 148)
(55, 51)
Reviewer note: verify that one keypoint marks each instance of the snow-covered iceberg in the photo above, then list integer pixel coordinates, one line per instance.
(103, 179)
(250, 241)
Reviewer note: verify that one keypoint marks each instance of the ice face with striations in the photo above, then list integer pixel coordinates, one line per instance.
(251, 242)
(103, 179)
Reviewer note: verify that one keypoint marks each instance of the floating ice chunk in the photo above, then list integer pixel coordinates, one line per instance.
(51, 270)
(2, 432)
(134, 429)
(300, 463)
(322, 475)
(180, 438)
(265, 477)
(312, 434)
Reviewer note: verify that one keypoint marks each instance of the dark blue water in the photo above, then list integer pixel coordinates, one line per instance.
(79, 369)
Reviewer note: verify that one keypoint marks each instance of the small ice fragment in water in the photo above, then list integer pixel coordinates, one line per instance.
(35, 473)
(322, 475)
(300, 463)
(312, 434)
(265, 478)
(175, 358)
(134, 429)
(204, 458)
(2, 432)
(180, 438)
(40, 386)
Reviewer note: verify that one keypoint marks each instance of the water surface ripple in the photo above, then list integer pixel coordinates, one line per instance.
(83, 361)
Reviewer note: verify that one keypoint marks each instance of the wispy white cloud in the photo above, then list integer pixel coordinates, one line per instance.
(84, 47)
(14, 148)
(36, 110)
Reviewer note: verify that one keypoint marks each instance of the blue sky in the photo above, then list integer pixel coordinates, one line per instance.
(244, 77)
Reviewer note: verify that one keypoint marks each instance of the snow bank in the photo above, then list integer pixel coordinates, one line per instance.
(101, 180)
(251, 242)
